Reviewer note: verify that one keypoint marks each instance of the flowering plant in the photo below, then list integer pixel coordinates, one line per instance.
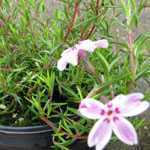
(105, 54)
(111, 117)
(74, 54)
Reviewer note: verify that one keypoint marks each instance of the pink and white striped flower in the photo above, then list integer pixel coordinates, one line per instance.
(111, 118)
(74, 54)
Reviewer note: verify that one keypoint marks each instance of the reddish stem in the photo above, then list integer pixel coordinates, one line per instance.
(132, 60)
(49, 123)
(68, 8)
(92, 27)
(73, 20)
(132, 57)
(97, 6)
(91, 31)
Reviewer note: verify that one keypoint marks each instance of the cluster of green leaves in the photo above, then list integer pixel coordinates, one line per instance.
(31, 42)
(27, 40)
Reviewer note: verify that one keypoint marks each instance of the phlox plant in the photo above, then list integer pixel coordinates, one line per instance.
(67, 68)
(111, 114)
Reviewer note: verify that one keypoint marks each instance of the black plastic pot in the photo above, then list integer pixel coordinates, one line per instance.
(25, 138)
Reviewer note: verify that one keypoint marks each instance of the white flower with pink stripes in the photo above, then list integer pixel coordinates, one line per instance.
(111, 118)
(74, 54)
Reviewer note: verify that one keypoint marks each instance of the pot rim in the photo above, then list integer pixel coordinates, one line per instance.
(24, 130)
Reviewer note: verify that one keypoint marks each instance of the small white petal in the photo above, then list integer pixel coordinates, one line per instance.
(102, 43)
(71, 57)
(91, 108)
(65, 52)
(61, 64)
(124, 131)
(119, 101)
(86, 45)
(100, 134)
(68, 56)
(135, 109)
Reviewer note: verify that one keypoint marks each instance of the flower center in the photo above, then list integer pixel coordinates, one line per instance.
(82, 55)
(109, 112)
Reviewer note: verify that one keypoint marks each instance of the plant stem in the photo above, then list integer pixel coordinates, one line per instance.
(73, 20)
(92, 28)
(1, 2)
(94, 91)
(132, 58)
(49, 123)
(112, 92)
(98, 89)
(91, 70)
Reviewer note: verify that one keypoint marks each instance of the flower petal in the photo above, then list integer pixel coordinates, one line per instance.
(102, 43)
(61, 64)
(124, 131)
(100, 134)
(122, 99)
(86, 45)
(91, 108)
(130, 105)
(119, 101)
(135, 96)
(72, 57)
(135, 109)
(65, 52)
(68, 56)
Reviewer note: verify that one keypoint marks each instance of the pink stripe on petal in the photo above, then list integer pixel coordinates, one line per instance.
(130, 105)
(124, 131)
(100, 134)
(135, 109)
(133, 105)
(122, 99)
(91, 108)
(135, 97)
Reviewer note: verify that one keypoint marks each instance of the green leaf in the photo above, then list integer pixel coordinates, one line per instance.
(113, 63)
(104, 63)
(125, 7)
(79, 92)
(141, 6)
(140, 41)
